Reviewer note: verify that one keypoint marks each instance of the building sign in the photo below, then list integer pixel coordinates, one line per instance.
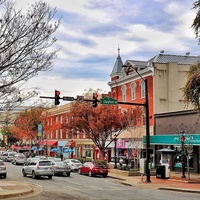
(120, 143)
(190, 139)
(39, 130)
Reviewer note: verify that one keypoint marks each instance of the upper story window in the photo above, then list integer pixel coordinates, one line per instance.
(61, 119)
(142, 87)
(133, 91)
(61, 134)
(57, 118)
(124, 93)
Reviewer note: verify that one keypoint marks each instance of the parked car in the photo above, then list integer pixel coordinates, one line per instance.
(54, 159)
(37, 168)
(7, 156)
(93, 168)
(3, 171)
(41, 157)
(74, 164)
(60, 168)
(19, 158)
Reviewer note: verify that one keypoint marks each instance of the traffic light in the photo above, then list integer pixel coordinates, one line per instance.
(95, 100)
(57, 97)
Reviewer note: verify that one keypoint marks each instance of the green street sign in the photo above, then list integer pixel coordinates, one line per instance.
(108, 101)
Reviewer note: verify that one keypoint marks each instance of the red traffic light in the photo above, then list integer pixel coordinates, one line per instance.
(57, 97)
(95, 95)
(57, 92)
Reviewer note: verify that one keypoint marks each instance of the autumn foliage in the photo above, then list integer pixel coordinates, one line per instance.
(99, 124)
(26, 124)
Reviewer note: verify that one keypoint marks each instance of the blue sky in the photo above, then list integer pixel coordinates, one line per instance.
(91, 31)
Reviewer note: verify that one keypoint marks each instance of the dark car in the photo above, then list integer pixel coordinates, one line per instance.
(60, 168)
(93, 168)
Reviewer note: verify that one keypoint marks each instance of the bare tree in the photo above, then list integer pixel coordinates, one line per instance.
(25, 41)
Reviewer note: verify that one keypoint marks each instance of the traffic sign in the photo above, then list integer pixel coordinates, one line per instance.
(68, 98)
(108, 101)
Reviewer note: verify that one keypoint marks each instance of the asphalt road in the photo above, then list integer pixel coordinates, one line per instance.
(81, 187)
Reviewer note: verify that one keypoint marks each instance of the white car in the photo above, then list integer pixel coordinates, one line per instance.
(74, 164)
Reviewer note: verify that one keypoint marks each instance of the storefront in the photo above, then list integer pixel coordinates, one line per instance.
(190, 146)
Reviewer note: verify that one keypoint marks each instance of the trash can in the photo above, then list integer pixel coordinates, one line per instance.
(163, 171)
(160, 171)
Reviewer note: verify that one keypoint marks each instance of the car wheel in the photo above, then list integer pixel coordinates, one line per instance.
(4, 176)
(90, 173)
(50, 177)
(79, 171)
(68, 174)
(105, 175)
(33, 175)
(23, 173)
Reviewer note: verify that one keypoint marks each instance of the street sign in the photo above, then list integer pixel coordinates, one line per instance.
(68, 98)
(108, 101)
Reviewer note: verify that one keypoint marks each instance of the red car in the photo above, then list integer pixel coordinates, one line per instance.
(93, 168)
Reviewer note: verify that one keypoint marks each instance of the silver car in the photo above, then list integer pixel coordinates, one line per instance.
(19, 158)
(38, 168)
(74, 164)
(7, 156)
(3, 171)
(61, 168)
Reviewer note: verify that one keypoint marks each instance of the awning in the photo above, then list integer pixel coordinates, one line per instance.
(34, 148)
(68, 150)
(49, 142)
(71, 144)
(54, 150)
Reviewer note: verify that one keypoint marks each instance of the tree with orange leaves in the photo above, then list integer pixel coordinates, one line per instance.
(26, 124)
(100, 123)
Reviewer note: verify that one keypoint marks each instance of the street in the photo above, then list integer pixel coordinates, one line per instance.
(84, 187)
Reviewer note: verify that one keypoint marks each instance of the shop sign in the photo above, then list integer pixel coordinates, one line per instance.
(190, 139)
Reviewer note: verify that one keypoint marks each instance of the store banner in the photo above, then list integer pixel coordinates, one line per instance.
(190, 139)
(120, 143)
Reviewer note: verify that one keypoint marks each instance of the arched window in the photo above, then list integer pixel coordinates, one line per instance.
(133, 91)
(142, 87)
(124, 93)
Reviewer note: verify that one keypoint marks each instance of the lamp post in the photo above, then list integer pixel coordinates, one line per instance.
(146, 105)
(115, 140)
(182, 139)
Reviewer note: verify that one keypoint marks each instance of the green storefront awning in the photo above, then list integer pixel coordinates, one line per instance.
(190, 139)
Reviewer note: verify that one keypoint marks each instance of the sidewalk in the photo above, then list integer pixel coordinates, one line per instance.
(175, 182)
(16, 188)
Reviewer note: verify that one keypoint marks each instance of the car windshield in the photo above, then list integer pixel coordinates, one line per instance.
(42, 163)
(12, 154)
(60, 163)
(98, 165)
(75, 161)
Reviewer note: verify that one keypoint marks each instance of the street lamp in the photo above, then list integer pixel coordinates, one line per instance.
(183, 160)
(115, 140)
(146, 105)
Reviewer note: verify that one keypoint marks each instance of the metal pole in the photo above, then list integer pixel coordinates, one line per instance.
(147, 134)
(115, 167)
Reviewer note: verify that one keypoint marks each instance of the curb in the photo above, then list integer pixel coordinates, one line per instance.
(180, 190)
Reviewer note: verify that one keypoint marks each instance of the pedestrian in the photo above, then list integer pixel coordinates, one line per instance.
(61, 156)
(121, 163)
